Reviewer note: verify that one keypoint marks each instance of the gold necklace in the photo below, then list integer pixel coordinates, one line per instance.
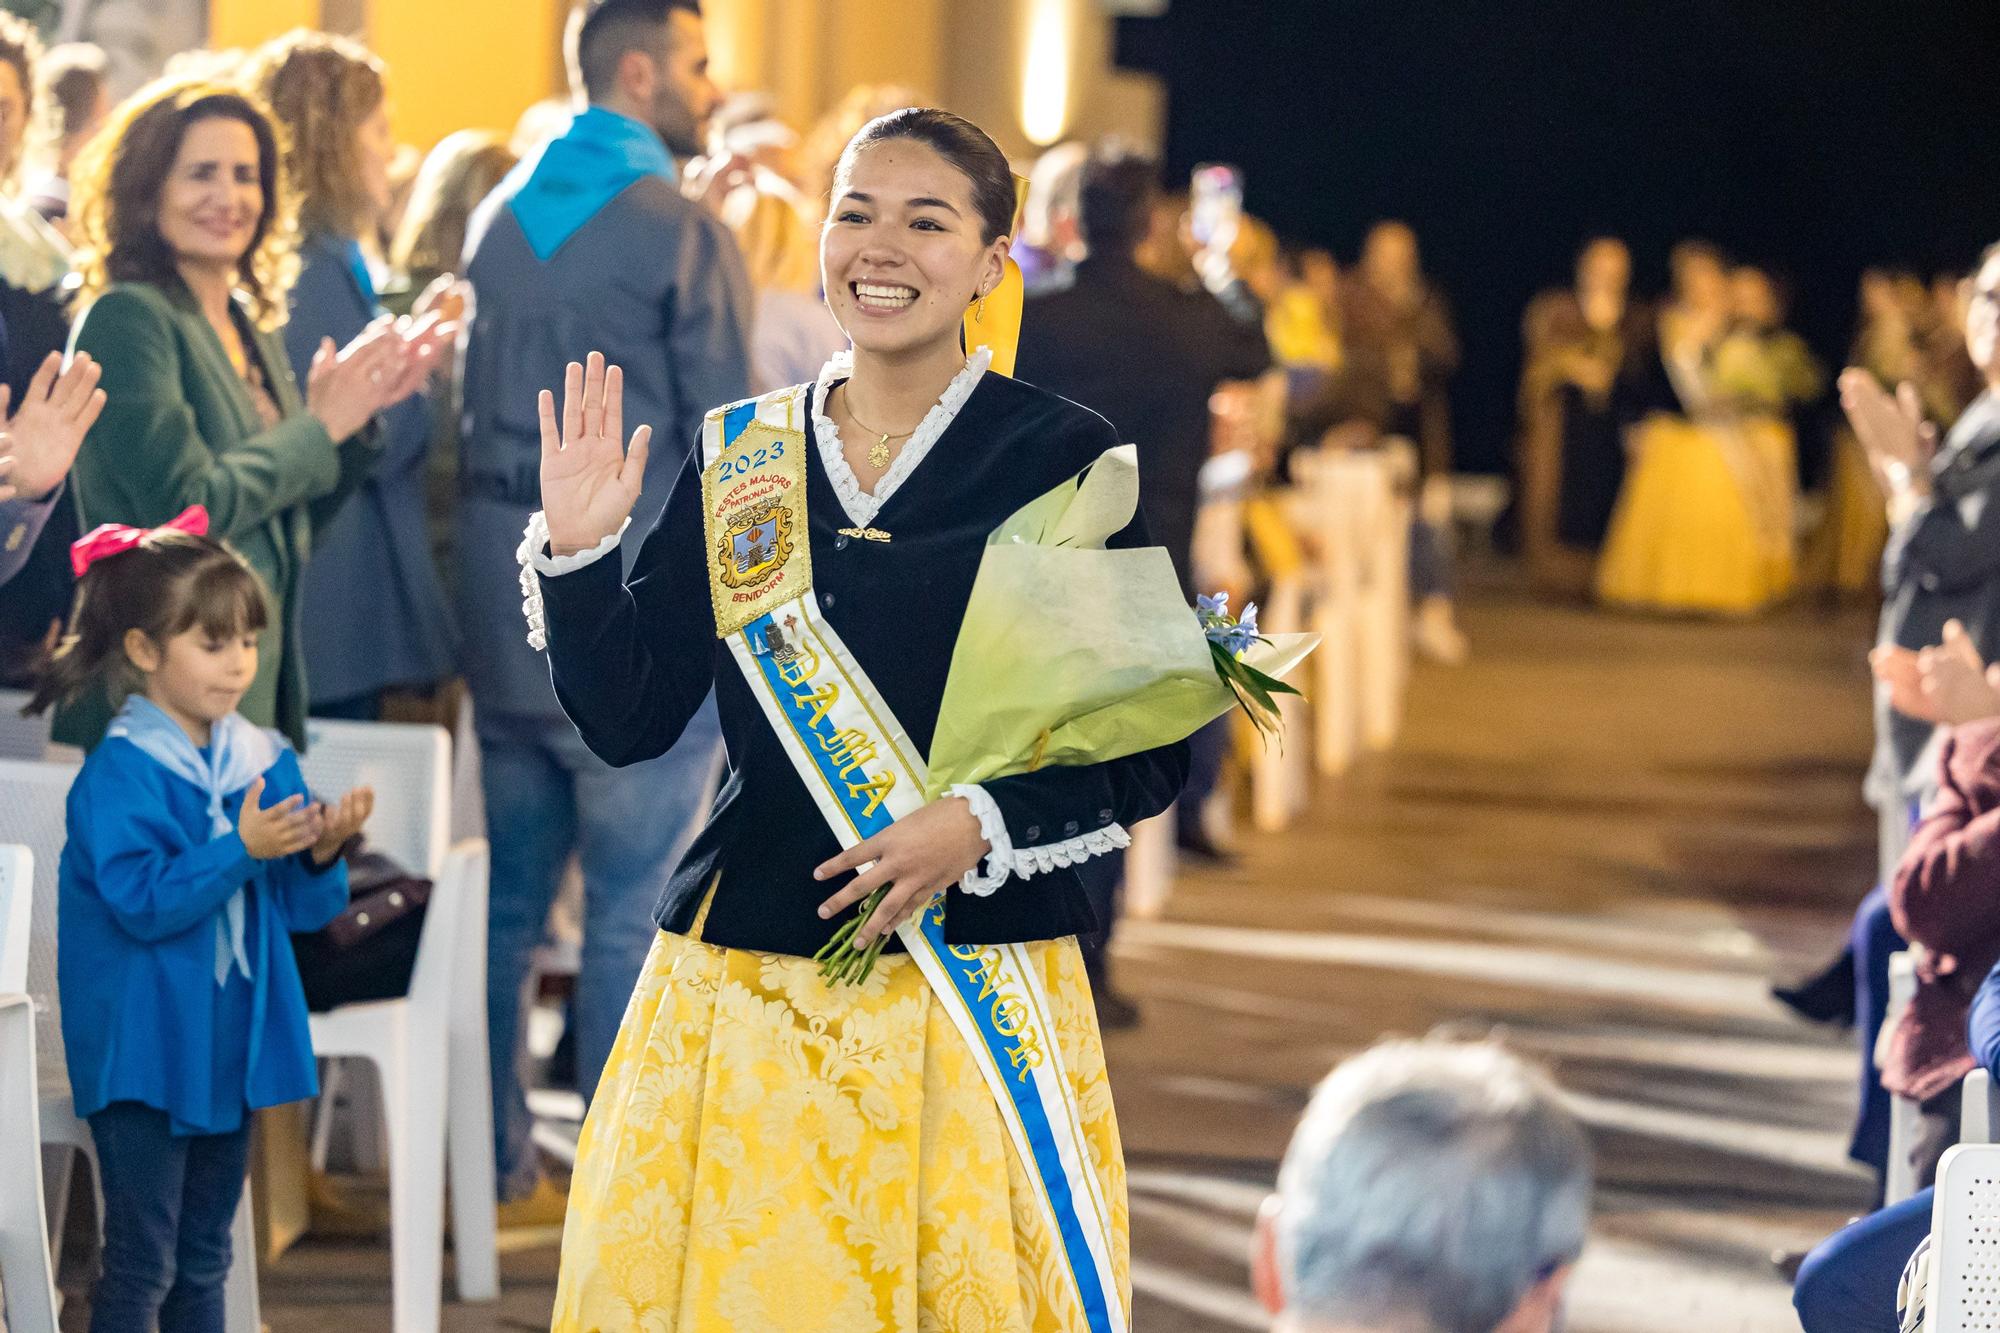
(878, 452)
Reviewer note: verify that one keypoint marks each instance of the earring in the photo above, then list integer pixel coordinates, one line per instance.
(979, 311)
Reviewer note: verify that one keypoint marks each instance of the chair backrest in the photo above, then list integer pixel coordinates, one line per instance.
(17, 899)
(453, 951)
(408, 765)
(21, 737)
(33, 814)
(1964, 1294)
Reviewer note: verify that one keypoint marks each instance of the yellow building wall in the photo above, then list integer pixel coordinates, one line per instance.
(459, 63)
(453, 64)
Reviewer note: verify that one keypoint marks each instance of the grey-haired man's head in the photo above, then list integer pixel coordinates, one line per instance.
(1432, 1187)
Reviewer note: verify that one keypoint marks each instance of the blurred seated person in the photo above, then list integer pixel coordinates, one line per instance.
(1705, 517)
(374, 617)
(1873, 1275)
(1763, 365)
(1431, 1187)
(72, 100)
(1588, 367)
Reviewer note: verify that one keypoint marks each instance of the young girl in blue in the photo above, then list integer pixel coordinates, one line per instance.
(194, 848)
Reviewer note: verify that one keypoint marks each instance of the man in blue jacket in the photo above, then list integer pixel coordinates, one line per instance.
(589, 245)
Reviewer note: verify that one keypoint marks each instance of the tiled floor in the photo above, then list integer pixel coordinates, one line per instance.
(1601, 837)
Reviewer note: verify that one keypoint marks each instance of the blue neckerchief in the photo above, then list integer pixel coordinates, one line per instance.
(558, 189)
(238, 753)
(364, 277)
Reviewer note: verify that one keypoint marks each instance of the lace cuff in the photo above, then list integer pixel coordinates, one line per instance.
(534, 558)
(993, 827)
(1030, 861)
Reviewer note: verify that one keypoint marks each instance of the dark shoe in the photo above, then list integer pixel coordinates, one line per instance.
(1115, 1011)
(1200, 847)
(1826, 998)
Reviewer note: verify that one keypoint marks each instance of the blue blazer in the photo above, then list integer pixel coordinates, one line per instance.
(141, 885)
(374, 611)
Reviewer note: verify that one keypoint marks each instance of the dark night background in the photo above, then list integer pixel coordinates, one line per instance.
(1811, 138)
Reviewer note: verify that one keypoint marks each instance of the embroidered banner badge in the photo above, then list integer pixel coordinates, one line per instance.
(753, 494)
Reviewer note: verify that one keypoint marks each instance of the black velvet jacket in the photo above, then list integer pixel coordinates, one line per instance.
(632, 662)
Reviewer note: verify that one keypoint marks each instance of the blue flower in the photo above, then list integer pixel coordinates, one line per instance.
(1217, 605)
(1248, 620)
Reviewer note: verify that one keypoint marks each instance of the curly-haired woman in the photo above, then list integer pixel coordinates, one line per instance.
(185, 221)
(330, 97)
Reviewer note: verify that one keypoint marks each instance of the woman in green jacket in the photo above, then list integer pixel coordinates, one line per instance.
(187, 229)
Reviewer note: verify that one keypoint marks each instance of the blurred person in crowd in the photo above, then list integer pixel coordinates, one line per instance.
(1147, 355)
(1051, 239)
(1431, 1187)
(1763, 365)
(539, 123)
(588, 244)
(140, 37)
(1588, 357)
(185, 220)
(374, 616)
(1302, 323)
(34, 257)
(1950, 380)
(752, 163)
(1939, 567)
(462, 170)
(40, 441)
(1399, 337)
(72, 101)
(1704, 522)
(1894, 309)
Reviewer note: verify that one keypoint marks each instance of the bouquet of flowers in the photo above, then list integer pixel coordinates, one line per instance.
(1070, 653)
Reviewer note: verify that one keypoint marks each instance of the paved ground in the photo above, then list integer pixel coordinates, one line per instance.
(1600, 838)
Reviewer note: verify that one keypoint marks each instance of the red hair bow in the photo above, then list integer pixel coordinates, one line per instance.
(115, 538)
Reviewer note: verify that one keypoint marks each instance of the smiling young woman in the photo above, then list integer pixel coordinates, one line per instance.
(767, 1150)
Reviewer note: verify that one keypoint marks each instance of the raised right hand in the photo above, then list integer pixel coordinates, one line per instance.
(589, 481)
(269, 832)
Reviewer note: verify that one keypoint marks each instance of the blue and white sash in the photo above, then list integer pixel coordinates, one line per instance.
(864, 774)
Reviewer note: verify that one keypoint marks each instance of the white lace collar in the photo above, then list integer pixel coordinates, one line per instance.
(862, 507)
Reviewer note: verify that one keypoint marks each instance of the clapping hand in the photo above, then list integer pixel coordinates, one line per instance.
(590, 481)
(1959, 686)
(1891, 428)
(42, 437)
(274, 831)
(341, 821)
(383, 364)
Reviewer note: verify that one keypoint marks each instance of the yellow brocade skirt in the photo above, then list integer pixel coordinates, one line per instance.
(1705, 520)
(765, 1154)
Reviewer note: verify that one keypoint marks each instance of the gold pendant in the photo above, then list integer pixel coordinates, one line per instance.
(864, 534)
(878, 453)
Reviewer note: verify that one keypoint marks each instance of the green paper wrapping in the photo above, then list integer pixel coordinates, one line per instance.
(1073, 654)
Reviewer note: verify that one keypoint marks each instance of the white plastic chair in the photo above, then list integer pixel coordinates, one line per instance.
(1279, 785)
(27, 1276)
(33, 813)
(1899, 1182)
(1978, 1116)
(1964, 1295)
(429, 1048)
